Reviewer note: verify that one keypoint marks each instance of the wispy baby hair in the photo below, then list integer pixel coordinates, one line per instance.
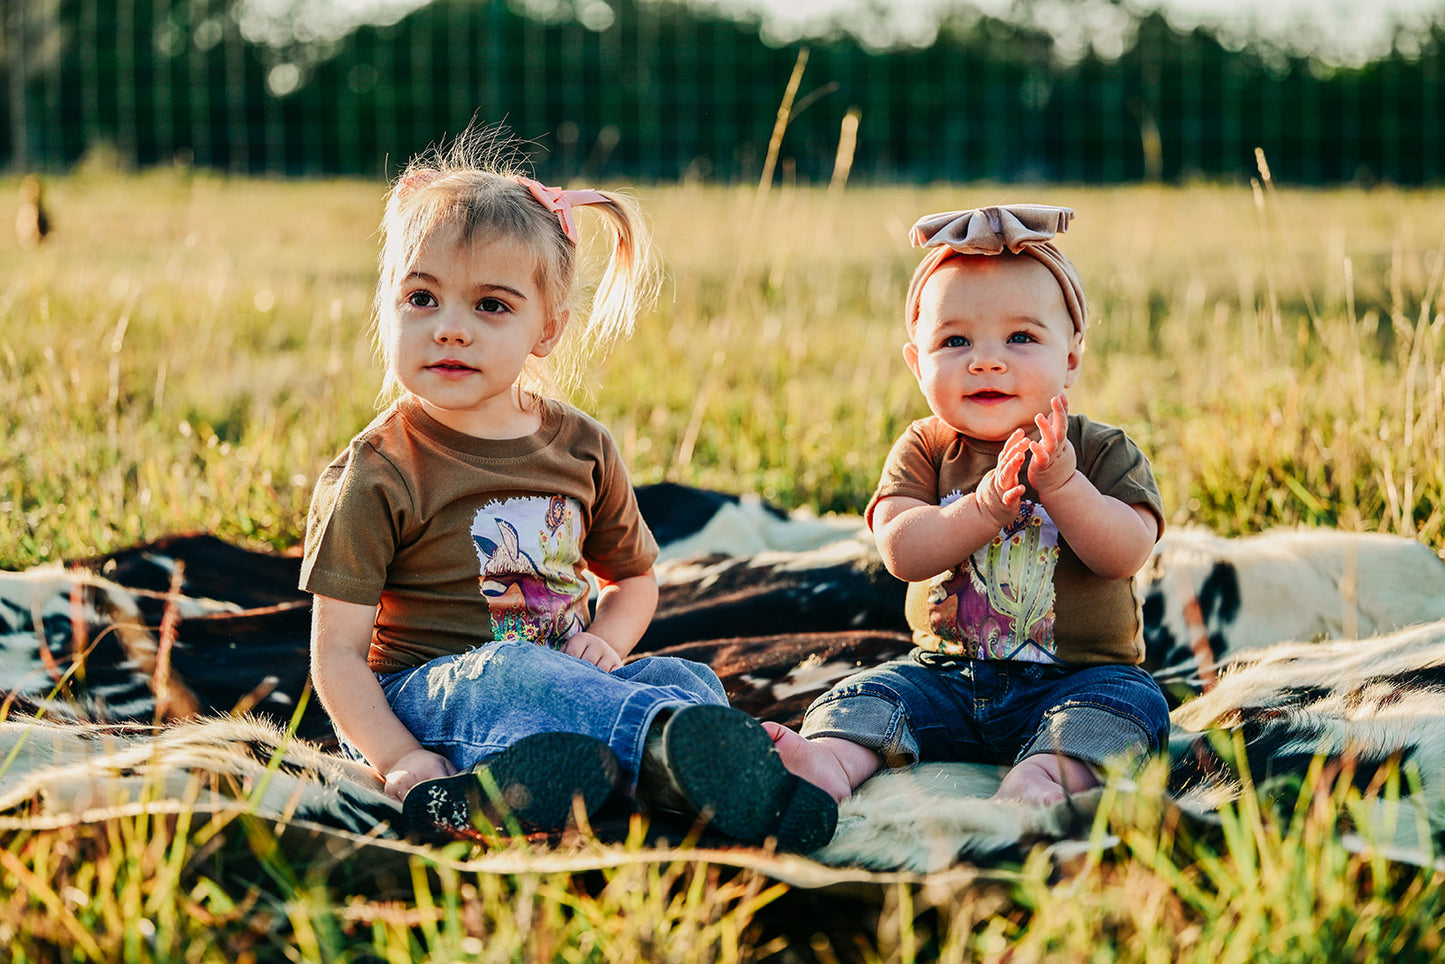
(476, 185)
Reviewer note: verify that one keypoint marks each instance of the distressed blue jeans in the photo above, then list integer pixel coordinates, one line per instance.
(926, 706)
(471, 706)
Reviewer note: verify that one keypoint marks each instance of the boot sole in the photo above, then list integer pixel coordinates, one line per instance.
(725, 765)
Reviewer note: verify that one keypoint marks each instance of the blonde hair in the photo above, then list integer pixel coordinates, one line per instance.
(471, 185)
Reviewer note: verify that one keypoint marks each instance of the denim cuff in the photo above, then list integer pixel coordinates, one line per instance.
(1094, 734)
(869, 719)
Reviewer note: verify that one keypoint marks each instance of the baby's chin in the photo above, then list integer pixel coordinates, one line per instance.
(990, 434)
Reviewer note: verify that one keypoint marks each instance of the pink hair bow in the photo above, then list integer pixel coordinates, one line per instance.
(416, 180)
(561, 201)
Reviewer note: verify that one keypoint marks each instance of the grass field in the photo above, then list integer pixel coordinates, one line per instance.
(188, 352)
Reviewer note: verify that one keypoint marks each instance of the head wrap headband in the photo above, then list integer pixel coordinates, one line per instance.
(1020, 228)
(557, 200)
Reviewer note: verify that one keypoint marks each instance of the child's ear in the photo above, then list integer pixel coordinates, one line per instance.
(1076, 360)
(910, 355)
(551, 334)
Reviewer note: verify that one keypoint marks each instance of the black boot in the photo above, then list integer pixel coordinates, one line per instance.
(718, 763)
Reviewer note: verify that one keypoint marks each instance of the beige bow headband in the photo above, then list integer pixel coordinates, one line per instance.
(1021, 228)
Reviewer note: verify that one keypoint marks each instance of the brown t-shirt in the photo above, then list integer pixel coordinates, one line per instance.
(1025, 595)
(464, 540)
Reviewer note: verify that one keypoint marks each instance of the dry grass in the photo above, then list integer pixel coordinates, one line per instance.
(188, 352)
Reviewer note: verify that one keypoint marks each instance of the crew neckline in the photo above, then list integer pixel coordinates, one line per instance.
(417, 417)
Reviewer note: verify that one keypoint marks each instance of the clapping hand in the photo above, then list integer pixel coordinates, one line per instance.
(1000, 492)
(1053, 463)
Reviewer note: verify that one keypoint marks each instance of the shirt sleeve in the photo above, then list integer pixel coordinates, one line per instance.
(619, 544)
(1116, 466)
(910, 471)
(354, 526)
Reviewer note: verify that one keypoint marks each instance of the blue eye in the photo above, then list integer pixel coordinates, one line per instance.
(1020, 338)
(955, 341)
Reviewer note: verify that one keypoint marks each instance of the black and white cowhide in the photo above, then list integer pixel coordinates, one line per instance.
(189, 627)
(67, 769)
(1373, 701)
(690, 522)
(168, 630)
(1359, 705)
(225, 627)
(1207, 598)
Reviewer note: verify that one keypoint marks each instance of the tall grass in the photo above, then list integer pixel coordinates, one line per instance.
(226, 887)
(189, 352)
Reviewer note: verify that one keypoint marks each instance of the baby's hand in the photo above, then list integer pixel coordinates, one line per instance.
(1053, 462)
(999, 493)
(413, 768)
(594, 649)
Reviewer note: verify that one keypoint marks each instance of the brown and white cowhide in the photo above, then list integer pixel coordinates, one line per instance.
(690, 522)
(189, 627)
(840, 587)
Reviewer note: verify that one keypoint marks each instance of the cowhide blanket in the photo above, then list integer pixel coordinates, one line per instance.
(162, 675)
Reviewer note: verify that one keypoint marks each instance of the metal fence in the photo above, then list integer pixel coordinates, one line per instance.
(659, 90)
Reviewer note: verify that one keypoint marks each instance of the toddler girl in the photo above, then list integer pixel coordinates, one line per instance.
(447, 548)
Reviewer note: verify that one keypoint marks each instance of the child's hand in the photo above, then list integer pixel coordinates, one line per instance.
(594, 649)
(999, 493)
(1053, 462)
(413, 768)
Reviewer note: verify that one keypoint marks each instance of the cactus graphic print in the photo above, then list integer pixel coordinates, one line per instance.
(999, 602)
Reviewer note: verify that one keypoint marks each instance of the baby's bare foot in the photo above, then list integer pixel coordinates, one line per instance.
(811, 760)
(1045, 780)
(1030, 785)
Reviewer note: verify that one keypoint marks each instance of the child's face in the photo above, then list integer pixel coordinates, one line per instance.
(994, 343)
(466, 317)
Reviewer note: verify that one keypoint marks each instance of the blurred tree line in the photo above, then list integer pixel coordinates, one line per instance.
(662, 90)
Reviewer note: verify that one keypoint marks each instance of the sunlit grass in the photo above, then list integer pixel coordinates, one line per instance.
(225, 887)
(189, 351)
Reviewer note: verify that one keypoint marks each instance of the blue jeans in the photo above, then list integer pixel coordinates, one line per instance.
(931, 707)
(471, 706)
